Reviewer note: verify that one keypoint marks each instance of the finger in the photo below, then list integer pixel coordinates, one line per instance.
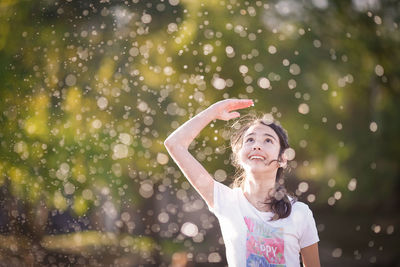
(233, 115)
(241, 103)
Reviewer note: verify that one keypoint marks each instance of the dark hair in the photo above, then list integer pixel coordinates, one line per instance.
(278, 198)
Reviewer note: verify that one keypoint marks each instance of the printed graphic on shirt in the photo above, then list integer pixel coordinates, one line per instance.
(264, 245)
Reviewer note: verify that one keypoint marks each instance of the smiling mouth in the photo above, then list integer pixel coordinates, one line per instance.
(256, 158)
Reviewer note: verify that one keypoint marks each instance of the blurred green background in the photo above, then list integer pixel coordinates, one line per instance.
(89, 90)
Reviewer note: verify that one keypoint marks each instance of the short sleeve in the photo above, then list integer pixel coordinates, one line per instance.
(309, 234)
(223, 197)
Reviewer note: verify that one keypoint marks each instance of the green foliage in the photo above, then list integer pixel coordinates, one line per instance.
(89, 91)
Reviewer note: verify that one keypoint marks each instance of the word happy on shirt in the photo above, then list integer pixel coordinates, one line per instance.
(264, 244)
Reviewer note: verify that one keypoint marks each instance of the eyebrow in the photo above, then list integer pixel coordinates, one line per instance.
(264, 134)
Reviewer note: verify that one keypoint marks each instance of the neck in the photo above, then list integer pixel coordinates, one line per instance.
(256, 188)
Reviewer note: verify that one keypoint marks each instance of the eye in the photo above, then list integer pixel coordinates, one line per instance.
(249, 139)
(268, 140)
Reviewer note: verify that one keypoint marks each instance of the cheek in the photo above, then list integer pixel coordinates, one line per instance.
(275, 151)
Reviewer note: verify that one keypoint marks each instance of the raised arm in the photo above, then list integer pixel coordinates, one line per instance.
(178, 143)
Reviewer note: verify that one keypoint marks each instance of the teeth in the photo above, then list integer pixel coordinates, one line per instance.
(256, 157)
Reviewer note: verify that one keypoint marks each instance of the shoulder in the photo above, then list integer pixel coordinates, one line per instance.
(300, 205)
(301, 210)
(225, 189)
(223, 193)
(222, 187)
(224, 198)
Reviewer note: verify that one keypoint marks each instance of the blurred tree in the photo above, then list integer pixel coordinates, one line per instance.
(90, 89)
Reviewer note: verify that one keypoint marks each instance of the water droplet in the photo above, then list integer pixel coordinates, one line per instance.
(321, 4)
(352, 184)
(168, 70)
(317, 43)
(220, 175)
(303, 187)
(390, 229)
(214, 257)
(120, 151)
(311, 198)
(373, 126)
(337, 195)
(331, 182)
(69, 188)
(337, 253)
(243, 69)
(263, 83)
(125, 216)
(218, 83)
(70, 80)
(272, 49)
(230, 52)
(146, 18)
(142, 106)
(376, 228)
(146, 189)
(172, 27)
(134, 51)
(207, 49)
(331, 201)
(268, 118)
(292, 84)
(125, 138)
(379, 70)
(289, 153)
(294, 69)
(303, 108)
(102, 102)
(378, 20)
(87, 194)
(163, 217)
(285, 62)
(162, 158)
(173, 2)
(189, 229)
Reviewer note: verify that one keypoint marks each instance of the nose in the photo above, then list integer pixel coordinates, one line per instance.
(256, 147)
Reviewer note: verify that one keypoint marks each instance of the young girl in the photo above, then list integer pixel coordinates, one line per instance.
(261, 225)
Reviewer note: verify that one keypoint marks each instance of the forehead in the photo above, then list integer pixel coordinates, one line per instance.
(261, 129)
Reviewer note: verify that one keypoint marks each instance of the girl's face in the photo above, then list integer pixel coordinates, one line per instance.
(260, 146)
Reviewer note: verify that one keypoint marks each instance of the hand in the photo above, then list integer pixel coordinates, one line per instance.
(222, 109)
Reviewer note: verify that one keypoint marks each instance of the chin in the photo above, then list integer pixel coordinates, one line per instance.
(256, 169)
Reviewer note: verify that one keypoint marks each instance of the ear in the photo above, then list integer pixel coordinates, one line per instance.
(283, 161)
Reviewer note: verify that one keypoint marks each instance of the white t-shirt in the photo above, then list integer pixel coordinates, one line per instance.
(251, 239)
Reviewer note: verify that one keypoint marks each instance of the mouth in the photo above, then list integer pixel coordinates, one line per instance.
(257, 157)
